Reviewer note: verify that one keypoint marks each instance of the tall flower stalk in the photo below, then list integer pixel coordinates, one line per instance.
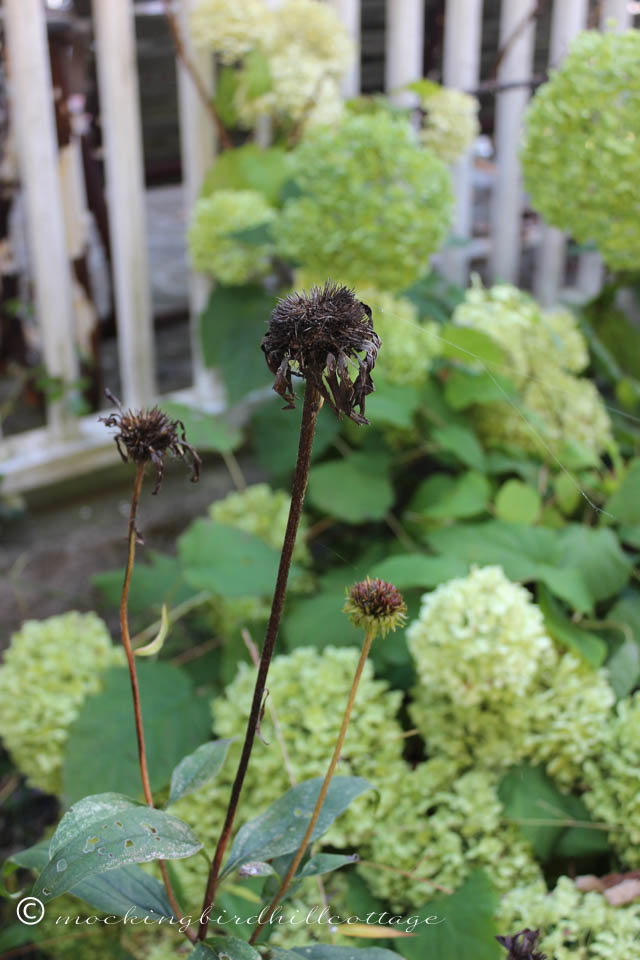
(315, 336)
(377, 607)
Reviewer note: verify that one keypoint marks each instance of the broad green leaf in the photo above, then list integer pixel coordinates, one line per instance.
(350, 490)
(227, 82)
(524, 553)
(623, 668)
(106, 832)
(224, 948)
(205, 431)
(33, 858)
(461, 926)
(226, 560)
(544, 815)
(394, 404)
(152, 584)
(567, 493)
(596, 554)
(318, 621)
(464, 388)
(468, 346)
(231, 328)
(175, 721)
(127, 890)
(281, 828)
(462, 443)
(622, 628)
(568, 634)
(276, 432)
(256, 74)
(325, 863)
(250, 167)
(516, 502)
(442, 497)
(197, 769)
(326, 951)
(624, 504)
(419, 570)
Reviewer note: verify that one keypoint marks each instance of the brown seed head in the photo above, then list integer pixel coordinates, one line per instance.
(522, 946)
(375, 605)
(146, 436)
(324, 336)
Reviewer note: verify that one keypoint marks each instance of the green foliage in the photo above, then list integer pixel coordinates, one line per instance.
(582, 130)
(349, 489)
(198, 768)
(372, 203)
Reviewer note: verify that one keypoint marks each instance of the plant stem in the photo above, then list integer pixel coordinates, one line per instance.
(310, 410)
(131, 662)
(295, 863)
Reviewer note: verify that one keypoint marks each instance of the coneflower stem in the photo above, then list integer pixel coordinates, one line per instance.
(310, 410)
(131, 662)
(295, 863)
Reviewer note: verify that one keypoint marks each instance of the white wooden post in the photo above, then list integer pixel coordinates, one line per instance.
(198, 145)
(618, 12)
(32, 104)
(568, 18)
(404, 47)
(120, 114)
(349, 13)
(516, 66)
(461, 69)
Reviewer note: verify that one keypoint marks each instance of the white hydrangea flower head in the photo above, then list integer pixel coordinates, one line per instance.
(307, 688)
(581, 141)
(450, 123)
(231, 30)
(573, 925)
(479, 637)
(612, 776)
(213, 245)
(50, 667)
(443, 825)
(264, 512)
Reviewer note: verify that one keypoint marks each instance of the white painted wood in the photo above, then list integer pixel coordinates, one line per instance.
(120, 114)
(404, 45)
(461, 69)
(615, 15)
(590, 274)
(507, 208)
(32, 108)
(568, 17)
(198, 146)
(349, 12)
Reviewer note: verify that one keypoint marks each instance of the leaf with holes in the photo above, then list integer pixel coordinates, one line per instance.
(197, 769)
(281, 828)
(105, 832)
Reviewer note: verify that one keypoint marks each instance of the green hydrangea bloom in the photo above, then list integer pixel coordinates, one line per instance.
(373, 203)
(409, 346)
(574, 925)
(450, 122)
(580, 154)
(49, 669)
(215, 249)
(544, 350)
(308, 52)
(492, 687)
(613, 796)
(231, 30)
(308, 689)
(443, 825)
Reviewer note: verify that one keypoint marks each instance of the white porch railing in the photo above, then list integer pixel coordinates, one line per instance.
(68, 446)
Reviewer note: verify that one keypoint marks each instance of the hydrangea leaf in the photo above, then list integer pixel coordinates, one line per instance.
(105, 832)
(275, 435)
(153, 584)
(409, 570)
(250, 167)
(349, 490)
(393, 403)
(624, 504)
(204, 430)
(464, 388)
(105, 719)
(237, 357)
(462, 443)
(280, 829)
(568, 634)
(226, 560)
(197, 769)
(596, 554)
(462, 925)
(442, 497)
(517, 502)
(467, 346)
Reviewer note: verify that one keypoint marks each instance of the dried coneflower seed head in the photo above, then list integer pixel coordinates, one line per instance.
(146, 436)
(326, 337)
(375, 606)
(522, 946)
